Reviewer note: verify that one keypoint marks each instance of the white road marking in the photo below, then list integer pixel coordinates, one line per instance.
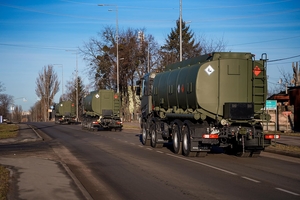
(207, 165)
(250, 179)
(283, 190)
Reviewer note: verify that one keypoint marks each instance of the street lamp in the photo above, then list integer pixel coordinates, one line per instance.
(117, 40)
(76, 83)
(180, 25)
(62, 79)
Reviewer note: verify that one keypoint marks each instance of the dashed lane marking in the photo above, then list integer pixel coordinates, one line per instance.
(207, 165)
(287, 191)
(250, 179)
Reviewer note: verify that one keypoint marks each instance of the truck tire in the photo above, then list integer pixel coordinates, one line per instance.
(186, 143)
(145, 136)
(154, 137)
(177, 143)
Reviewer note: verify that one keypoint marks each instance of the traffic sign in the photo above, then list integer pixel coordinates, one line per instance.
(271, 104)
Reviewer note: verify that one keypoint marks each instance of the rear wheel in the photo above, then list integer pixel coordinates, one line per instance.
(145, 135)
(255, 154)
(177, 143)
(154, 137)
(186, 146)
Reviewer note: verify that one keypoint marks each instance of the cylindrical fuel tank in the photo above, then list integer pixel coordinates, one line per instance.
(221, 78)
(102, 101)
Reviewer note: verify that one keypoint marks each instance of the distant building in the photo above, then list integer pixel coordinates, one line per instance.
(294, 99)
(287, 117)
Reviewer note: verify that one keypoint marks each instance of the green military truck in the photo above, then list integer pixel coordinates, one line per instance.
(102, 111)
(216, 99)
(65, 113)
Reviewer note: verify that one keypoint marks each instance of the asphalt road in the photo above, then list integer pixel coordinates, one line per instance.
(115, 165)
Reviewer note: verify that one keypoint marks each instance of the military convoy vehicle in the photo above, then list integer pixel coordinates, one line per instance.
(65, 113)
(102, 110)
(215, 100)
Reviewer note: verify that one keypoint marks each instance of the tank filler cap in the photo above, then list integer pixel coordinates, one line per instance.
(224, 122)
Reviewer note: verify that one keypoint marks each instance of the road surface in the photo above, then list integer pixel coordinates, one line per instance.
(115, 165)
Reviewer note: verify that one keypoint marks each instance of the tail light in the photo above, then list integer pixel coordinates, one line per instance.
(95, 122)
(210, 136)
(119, 122)
(272, 136)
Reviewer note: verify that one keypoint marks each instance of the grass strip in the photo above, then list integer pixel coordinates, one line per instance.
(4, 182)
(8, 131)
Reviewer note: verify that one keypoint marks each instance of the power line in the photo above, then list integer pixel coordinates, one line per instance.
(46, 12)
(281, 63)
(37, 47)
(284, 58)
(265, 41)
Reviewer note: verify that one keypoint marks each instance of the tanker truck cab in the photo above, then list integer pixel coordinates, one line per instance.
(144, 91)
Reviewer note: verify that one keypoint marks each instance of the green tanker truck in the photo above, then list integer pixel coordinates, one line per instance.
(216, 99)
(65, 112)
(102, 110)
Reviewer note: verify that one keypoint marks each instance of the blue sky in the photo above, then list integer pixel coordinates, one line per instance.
(35, 33)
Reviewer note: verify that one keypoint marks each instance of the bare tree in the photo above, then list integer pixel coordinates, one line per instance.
(2, 88)
(137, 54)
(17, 114)
(211, 45)
(47, 85)
(285, 81)
(36, 112)
(5, 101)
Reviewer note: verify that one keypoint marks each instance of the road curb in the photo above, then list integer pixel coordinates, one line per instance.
(295, 155)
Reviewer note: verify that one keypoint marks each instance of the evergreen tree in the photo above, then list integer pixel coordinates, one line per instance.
(170, 52)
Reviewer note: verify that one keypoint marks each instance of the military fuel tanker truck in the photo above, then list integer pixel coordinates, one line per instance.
(216, 99)
(102, 110)
(65, 112)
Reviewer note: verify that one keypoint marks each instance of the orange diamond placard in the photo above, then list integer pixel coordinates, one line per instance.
(256, 70)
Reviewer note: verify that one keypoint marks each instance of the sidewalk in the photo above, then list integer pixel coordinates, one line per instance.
(36, 177)
(41, 178)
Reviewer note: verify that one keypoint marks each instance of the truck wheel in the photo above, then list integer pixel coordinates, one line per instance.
(145, 136)
(90, 126)
(186, 146)
(154, 138)
(177, 144)
(255, 154)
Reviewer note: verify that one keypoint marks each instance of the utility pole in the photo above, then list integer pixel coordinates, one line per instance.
(117, 40)
(76, 83)
(296, 75)
(180, 32)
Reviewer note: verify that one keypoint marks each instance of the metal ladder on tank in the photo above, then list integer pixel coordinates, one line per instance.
(259, 91)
